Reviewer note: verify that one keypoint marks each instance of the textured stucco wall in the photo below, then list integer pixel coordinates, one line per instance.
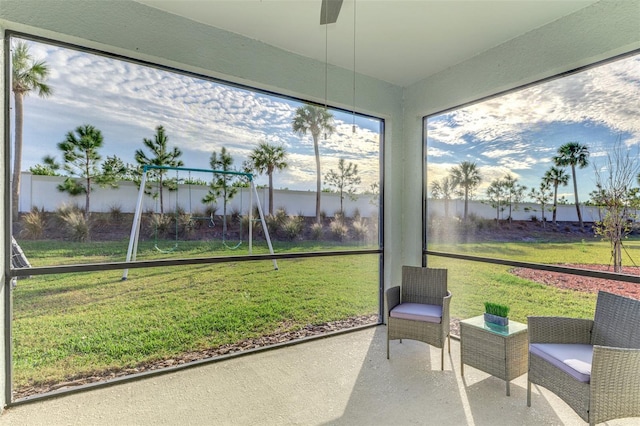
(598, 32)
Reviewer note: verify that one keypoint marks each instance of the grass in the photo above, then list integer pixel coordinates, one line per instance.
(76, 324)
(71, 325)
(496, 309)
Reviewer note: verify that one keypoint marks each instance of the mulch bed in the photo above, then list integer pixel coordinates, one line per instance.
(586, 284)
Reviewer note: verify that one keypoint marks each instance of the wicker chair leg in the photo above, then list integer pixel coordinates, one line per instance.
(528, 393)
(387, 341)
(442, 358)
(449, 339)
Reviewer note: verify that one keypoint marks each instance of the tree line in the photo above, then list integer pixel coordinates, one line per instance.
(506, 193)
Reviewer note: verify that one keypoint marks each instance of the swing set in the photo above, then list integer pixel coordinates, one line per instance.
(135, 227)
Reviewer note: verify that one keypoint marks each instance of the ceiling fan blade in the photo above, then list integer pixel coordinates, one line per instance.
(329, 11)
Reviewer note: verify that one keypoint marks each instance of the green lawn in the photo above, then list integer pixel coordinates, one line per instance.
(67, 325)
(72, 325)
(473, 283)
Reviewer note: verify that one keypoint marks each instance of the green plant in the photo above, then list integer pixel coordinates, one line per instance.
(75, 223)
(159, 224)
(115, 211)
(338, 229)
(316, 231)
(211, 210)
(496, 309)
(186, 224)
(293, 227)
(360, 228)
(256, 225)
(33, 224)
(356, 214)
(236, 215)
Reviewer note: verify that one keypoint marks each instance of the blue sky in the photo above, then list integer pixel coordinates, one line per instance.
(126, 102)
(520, 132)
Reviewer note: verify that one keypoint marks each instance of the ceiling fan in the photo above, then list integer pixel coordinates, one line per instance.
(329, 11)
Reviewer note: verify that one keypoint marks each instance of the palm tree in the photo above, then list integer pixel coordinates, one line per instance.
(161, 157)
(266, 158)
(315, 120)
(555, 176)
(573, 154)
(466, 176)
(26, 76)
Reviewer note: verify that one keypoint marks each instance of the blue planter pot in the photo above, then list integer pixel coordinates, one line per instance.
(494, 319)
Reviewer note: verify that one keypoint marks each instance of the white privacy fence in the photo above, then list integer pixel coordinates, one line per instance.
(525, 211)
(42, 192)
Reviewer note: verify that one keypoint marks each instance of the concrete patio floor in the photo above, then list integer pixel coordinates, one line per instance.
(342, 380)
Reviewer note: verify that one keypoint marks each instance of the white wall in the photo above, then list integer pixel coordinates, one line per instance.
(564, 213)
(42, 192)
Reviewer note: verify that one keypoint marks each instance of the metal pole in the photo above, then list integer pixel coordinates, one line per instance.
(251, 217)
(135, 227)
(264, 226)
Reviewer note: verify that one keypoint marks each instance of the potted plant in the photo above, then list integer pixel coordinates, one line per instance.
(496, 313)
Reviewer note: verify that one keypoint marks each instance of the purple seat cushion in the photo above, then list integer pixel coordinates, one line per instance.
(574, 359)
(417, 312)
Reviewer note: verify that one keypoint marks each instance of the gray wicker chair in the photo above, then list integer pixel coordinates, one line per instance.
(419, 309)
(611, 389)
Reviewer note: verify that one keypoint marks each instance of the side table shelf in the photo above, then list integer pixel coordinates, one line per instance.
(500, 351)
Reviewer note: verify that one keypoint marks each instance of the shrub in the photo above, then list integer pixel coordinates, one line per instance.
(338, 229)
(281, 216)
(159, 224)
(33, 224)
(356, 214)
(293, 227)
(211, 210)
(236, 215)
(75, 225)
(115, 212)
(255, 224)
(316, 231)
(273, 224)
(186, 224)
(360, 228)
(339, 215)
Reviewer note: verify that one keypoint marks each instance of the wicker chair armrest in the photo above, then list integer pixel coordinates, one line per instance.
(392, 298)
(559, 330)
(615, 383)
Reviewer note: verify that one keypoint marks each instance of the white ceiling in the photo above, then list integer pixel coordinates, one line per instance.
(398, 41)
